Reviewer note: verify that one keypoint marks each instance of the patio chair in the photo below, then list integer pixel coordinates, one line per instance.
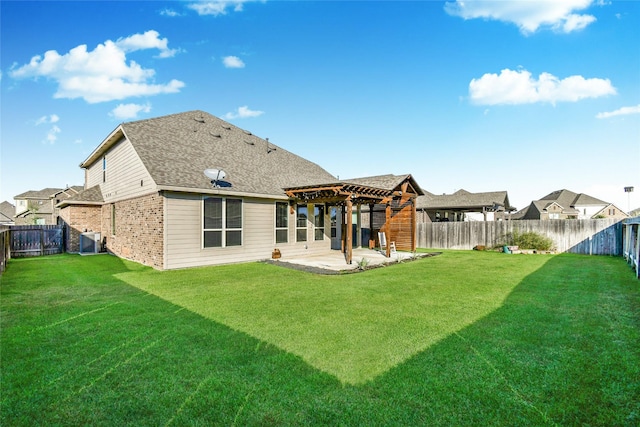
(383, 243)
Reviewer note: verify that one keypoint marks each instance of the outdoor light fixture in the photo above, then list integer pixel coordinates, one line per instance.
(628, 190)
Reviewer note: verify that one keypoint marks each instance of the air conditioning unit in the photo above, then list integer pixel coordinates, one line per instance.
(90, 243)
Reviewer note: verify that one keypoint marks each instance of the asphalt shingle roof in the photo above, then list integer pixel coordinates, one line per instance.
(385, 182)
(90, 195)
(176, 149)
(462, 199)
(565, 198)
(7, 211)
(45, 193)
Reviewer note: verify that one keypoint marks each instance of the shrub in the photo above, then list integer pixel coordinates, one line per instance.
(529, 240)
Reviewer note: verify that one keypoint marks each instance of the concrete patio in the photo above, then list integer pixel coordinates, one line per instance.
(334, 260)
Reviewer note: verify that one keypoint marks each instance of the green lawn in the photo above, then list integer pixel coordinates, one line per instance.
(464, 338)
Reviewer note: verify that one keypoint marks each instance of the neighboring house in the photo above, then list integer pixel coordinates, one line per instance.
(463, 206)
(7, 211)
(611, 211)
(149, 198)
(38, 207)
(565, 204)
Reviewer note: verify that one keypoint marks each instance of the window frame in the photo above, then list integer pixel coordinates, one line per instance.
(317, 216)
(224, 228)
(113, 219)
(281, 228)
(300, 228)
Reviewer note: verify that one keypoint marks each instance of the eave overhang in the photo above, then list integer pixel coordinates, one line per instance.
(116, 135)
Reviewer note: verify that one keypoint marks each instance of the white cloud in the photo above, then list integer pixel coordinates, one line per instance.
(53, 118)
(52, 135)
(518, 87)
(216, 8)
(232, 62)
(102, 74)
(148, 40)
(619, 112)
(529, 16)
(169, 12)
(242, 113)
(130, 111)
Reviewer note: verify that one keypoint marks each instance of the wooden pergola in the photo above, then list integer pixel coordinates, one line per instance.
(350, 194)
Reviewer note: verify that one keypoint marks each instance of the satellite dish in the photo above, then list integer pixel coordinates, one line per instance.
(215, 174)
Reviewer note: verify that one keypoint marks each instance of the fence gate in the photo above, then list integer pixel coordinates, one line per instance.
(36, 240)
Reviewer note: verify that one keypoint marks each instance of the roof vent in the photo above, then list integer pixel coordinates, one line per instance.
(247, 132)
(199, 119)
(249, 142)
(215, 135)
(226, 127)
(269, 147)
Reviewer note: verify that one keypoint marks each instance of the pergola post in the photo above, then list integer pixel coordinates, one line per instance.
(387, 235)
(372, 241)
(349, 252)
(414, 225)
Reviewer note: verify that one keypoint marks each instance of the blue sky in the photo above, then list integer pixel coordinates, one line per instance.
(523, 96)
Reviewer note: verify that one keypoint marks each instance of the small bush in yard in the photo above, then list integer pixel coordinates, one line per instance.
(529, 240)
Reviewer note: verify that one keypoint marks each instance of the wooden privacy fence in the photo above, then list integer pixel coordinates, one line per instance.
(588, 236)
(4, 247)
(36, 240)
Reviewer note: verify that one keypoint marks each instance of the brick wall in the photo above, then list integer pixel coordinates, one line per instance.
(77, 220)
(139, 229)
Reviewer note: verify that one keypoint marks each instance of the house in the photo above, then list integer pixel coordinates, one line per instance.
(190, 189)
(565, 204)
(463, 206)
(7, 211)
(38, 207)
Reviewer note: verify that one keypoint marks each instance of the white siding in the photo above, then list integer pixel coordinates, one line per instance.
(183, 234)
(126, 176)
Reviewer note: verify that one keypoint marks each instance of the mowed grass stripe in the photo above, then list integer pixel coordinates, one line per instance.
(354, 327)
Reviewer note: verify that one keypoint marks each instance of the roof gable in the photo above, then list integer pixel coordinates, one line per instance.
(7, 211)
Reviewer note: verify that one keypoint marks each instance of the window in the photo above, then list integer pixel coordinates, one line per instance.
(334, 222)
(104, 169)
(222, 222)
(318, 221)
(113, 219)
(301, 223)
(282, 222)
